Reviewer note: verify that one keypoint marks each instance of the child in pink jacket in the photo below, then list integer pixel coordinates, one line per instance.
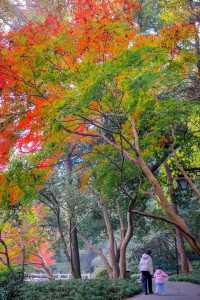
(160, 279)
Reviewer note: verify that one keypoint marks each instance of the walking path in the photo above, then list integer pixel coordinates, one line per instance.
(175, 291)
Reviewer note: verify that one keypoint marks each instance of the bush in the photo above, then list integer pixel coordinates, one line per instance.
(77, 289)
(190, 277)
(196, 265)
(102, 274)
(135, 276)
(9, 284)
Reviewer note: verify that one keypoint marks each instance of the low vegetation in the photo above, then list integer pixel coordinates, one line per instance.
(76, 290)
(193, 277)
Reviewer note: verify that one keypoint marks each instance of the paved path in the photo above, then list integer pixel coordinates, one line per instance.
(175, 291)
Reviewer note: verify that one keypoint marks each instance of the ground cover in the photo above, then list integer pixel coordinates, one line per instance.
(77, 289)
(193, 277)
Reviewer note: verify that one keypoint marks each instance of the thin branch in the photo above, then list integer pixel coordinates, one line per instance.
(116, 146)
(81, 133)
(136, 138)
(152, 216)
(188, 179)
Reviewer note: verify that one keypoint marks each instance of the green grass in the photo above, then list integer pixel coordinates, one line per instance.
(191, 277)
(79, 290)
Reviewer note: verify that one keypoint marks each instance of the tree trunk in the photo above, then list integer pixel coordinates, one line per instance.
(124, 244)
(122, 235)
(74, 252)
(45, 267)
(111, 239)
(164, 203)
(183, 260)
(182, 257)
(23, 250)
(161, 198)
(73, 239)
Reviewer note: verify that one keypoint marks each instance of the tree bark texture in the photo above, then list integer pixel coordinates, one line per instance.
(124, 244)
(74, 252)
(189, 180)
(73, 239)
(182, 257)
(111, 239)
(161, 198)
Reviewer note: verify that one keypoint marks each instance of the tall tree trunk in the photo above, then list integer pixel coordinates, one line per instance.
(23, 250)
(124, 244)
(111, 239)
(183, 260)
(162, 199)
(122, 235)
(164, 203)
(62, 236)
(45, 266)
(74, 252)
(73, 239)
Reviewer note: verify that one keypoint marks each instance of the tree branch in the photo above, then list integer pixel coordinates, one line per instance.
(188, 179)
(152, 216)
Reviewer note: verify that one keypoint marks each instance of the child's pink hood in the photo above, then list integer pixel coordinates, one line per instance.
(160, 276)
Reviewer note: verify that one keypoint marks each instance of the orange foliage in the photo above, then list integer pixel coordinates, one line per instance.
(15, 193)
(97, 31)
(94, 30)
(42, 256)
(172, 35)
(96, 26)
(49, 161)
(29, 235)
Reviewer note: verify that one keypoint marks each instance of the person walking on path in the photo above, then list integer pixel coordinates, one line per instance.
(146, 269)
(160, 280)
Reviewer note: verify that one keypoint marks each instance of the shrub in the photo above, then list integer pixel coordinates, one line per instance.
(9, 284)
(102, 274)
(77, 289)
(196, 265)
(190, 277)
(135, 276)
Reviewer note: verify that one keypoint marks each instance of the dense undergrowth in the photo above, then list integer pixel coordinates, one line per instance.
(77, 289)
(193, 277)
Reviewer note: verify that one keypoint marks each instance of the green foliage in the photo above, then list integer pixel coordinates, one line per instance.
(102, 274)
(21, 177)
(149, 17)
(9, 284)
(191, 277)
(76, 290)
(4, 275)
(196, 265)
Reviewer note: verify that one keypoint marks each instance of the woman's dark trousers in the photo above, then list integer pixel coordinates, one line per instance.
(147, 282)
